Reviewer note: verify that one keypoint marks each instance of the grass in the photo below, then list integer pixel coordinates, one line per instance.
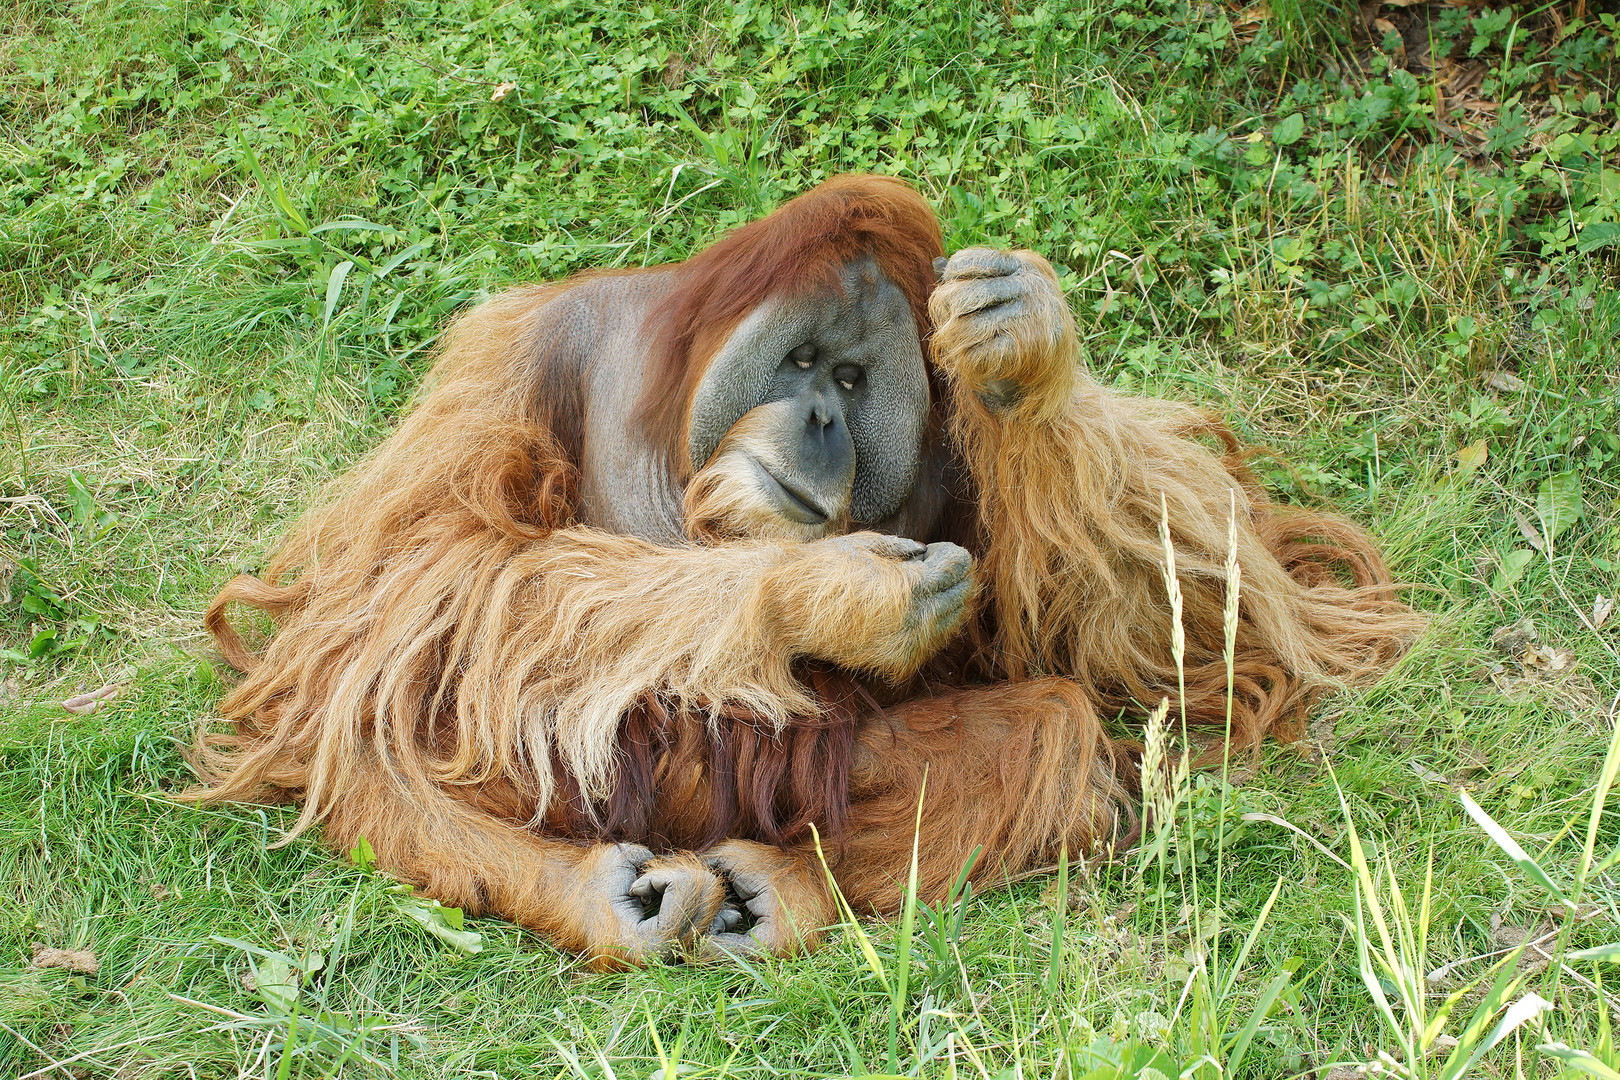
(228, 234)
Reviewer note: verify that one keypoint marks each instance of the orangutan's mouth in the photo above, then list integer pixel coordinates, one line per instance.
(795, 503)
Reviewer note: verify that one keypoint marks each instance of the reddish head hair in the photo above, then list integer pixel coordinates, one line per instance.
(798, 250)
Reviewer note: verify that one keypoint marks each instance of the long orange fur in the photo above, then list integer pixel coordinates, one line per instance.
(454, 658)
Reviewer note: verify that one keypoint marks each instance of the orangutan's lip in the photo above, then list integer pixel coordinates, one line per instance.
(815, 514)
(799, 506)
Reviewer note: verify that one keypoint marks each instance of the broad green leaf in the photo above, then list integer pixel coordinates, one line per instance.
(1558, 502)
(1598, 234)
(442, 922)
(43, 644)
(1511, 846)
(334, 287)
(84, 501)
(1512, 568)
(1288, 130)
(362, 855)
(276, 982)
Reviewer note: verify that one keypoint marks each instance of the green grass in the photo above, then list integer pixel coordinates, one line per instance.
(1259, 212)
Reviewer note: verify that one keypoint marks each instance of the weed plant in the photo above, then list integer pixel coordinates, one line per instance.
(1379, 240)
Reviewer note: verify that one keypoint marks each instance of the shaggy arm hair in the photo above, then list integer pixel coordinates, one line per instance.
(467, 658)
(1070, 478)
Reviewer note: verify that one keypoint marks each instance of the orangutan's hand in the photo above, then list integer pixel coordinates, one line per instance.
(1003, 331)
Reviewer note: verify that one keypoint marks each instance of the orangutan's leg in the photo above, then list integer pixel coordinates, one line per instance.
(1021, 771)
(614, 903)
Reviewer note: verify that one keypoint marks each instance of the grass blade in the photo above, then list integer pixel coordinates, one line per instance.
(1511, 846)
(1579, 1060)
(1609, 953)
(1600, 799)
(862, 939)
(1521, 1011)
(334, 289)
(1248, 942)
(1054, 970)
(1262, 1008)
(908, 922)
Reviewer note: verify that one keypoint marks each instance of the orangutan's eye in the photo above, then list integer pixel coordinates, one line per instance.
(803, 357)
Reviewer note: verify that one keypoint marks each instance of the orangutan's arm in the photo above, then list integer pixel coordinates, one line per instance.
(1072, 481)
(616, 904)
(615, 618)
(1005, 339)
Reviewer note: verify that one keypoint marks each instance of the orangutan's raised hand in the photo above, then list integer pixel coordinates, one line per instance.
(1003, 333)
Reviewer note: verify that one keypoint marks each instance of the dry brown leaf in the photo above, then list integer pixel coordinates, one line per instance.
(1504, 381)
(1535, 667)
(89, 703)
(1548, 661)
(1583, 912)
(1602, 608)
(1428, 775)
(1531, 534)
(502, 92)
(1253, 15)
(81, 961)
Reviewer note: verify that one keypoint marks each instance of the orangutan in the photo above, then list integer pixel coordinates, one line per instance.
(667, 566)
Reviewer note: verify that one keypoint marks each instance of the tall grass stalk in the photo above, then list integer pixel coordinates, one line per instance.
(1178, 649)
(1221, 1029)
(897, 987)
(1229, 624)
